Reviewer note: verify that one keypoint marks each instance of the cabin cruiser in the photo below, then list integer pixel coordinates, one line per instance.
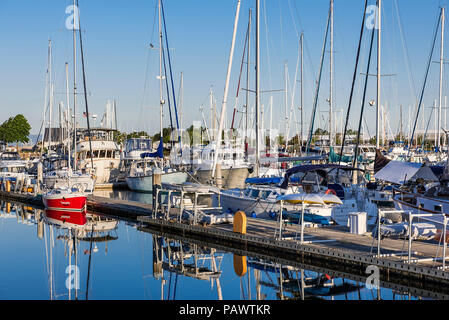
(260, 198)
(12, 166)
(134, 148)
(140, 176)
(200, 160)
(58, 174)
(105, 154)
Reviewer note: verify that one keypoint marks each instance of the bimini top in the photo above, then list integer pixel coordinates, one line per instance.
(321, 169)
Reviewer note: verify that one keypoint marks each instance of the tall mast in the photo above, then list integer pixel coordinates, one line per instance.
(74, 85)
(226, 90)
(212, 114)
(302, 88)
(379, 38)
(331, 98)
(248, 68)
(45, 99)
(68, 113)
(286, 105)
(161, 101)
(257, 85)
(51, 95)
(441, 78)
(181, 105)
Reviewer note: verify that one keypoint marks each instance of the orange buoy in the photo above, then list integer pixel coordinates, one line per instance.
(240, 222)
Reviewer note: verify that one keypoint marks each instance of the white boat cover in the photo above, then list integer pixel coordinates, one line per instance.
(399, 172)
(420, 230)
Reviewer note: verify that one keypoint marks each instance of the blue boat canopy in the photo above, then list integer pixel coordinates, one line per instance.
(321, 169)
(158, 154)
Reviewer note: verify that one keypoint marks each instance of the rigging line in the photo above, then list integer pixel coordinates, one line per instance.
(427, 128)
(292, 110)
(405, 48)
(354, 79)
(281, 29)
(240, 76)
(425, 81)
(270, 75)
(306, 46)
(85, 90)
(315, 105)
(171, 72)
(167, 88)
(147, 66)
(363, 99)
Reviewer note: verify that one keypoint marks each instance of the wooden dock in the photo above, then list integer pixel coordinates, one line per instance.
(330, 248)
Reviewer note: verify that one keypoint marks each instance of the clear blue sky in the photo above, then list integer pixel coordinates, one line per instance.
(118, 33)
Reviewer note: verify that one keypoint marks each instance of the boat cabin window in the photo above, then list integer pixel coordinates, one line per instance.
(102, 154)
(438, 208)
(255, 193)
(264, 194)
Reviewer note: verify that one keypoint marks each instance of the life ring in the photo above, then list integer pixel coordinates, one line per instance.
(329, 191)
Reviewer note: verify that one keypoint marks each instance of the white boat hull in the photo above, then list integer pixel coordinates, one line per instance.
(145, 183)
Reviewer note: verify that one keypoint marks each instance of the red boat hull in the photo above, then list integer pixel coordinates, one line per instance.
(77, 203)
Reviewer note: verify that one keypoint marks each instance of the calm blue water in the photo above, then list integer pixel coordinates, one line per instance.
(34, 251)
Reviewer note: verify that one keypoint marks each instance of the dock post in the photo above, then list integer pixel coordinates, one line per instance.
(280, 219)
(181, 211)
(444, 240)
(302, 222)
(167, 214)
(157, 185)
(218, 175)
(410, 219)
(195, 208)
(379, 215)
(40, 176)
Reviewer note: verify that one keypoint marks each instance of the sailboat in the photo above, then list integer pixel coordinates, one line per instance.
(140, 177)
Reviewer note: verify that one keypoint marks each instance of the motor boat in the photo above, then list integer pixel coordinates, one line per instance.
(65, 199)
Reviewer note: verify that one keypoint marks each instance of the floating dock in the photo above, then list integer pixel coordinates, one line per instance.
(332, 248)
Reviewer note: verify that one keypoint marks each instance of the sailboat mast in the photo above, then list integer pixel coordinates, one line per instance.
(68, 112)
(287, 123)
(45, 102)
(257, 86)
(161, 101)
(51, 95)
(74, 85)
(302, 88)
(226, 91)
(441, 78)
(248, 68)
(379, 40)
(331, 98)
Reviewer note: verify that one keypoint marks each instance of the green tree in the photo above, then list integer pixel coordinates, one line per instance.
(15, 130)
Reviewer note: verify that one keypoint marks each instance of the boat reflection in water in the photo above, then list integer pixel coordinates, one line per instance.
(71, 229)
